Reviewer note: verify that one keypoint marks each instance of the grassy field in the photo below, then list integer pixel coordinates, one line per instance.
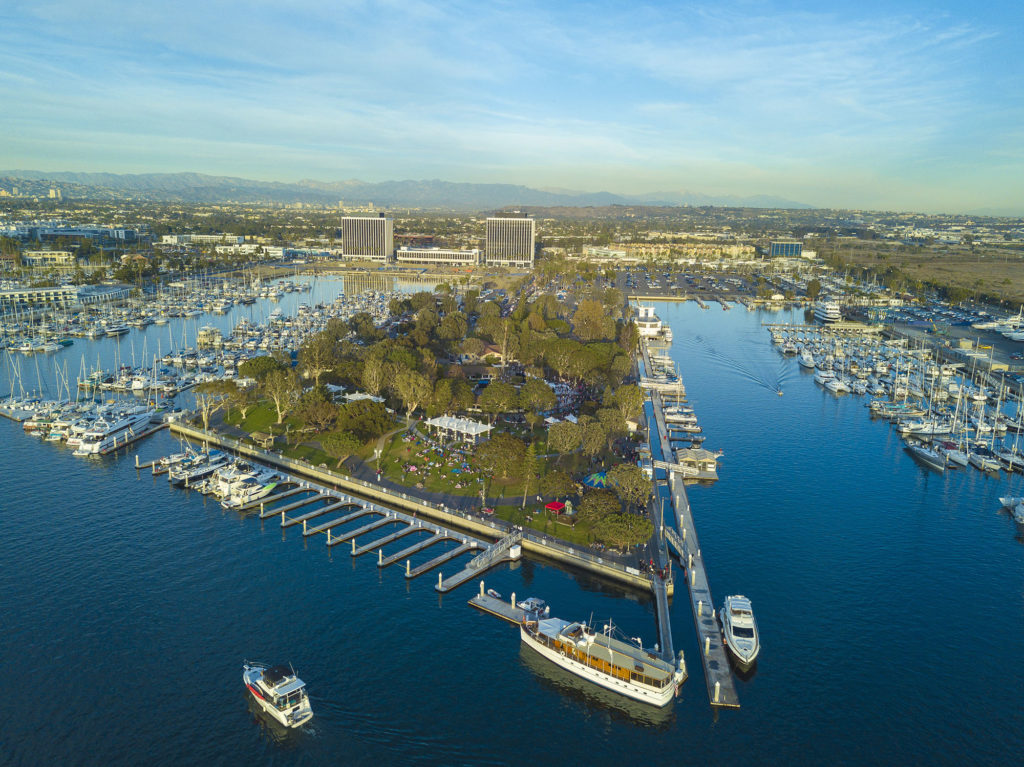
(544, 521)
(992, 273)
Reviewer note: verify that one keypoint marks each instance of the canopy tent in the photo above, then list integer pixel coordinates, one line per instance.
(556, 506)
(597, 479)
(465, 429)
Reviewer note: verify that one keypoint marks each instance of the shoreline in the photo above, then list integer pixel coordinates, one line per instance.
(533, 542)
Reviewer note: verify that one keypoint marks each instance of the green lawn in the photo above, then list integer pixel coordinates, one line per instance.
(263, 418)
(546, 522)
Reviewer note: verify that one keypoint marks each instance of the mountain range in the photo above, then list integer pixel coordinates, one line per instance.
(431, 194)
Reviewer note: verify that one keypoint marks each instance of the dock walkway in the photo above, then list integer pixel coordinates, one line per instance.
(717, 672)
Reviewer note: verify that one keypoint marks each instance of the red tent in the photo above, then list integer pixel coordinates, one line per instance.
(555, 506)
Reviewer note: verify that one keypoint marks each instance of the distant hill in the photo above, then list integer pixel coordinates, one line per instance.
(433, 193)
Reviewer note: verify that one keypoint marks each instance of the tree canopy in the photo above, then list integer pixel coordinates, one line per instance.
(500, 456)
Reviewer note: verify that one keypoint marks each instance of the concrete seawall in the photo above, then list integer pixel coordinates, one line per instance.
(533, 542)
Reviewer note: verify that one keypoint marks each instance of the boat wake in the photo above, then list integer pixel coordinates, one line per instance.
(766, 377)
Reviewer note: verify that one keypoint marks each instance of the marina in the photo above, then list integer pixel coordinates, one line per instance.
(769, 550)
(683, 539)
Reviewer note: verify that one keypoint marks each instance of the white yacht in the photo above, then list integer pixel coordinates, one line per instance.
(113, 431)
(739, 629)
(227, 478)
(246, 492)
(954, 455)
(279, 692)
(198, 467)
(806, 358)
(837, 385)
(827, 312)
(617, 665)
(823, 376)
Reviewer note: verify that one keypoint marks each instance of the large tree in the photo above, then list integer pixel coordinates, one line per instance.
(564, 437)
(500, 456)
(499, 397)
(630, 484)
(374, 371)
(594, 439)
(258, 367)
(340, 445)
(282, 386)
(629, 399)
(318, 355)
(623, 531)
(629, 337)
(557, 484)
(414, 389)
(453, 327)
(591, 321)
(210, 397)
(535, 395)
(364, 418)
(316, 409)
(598, 504)
(243, 398)
(612, 421)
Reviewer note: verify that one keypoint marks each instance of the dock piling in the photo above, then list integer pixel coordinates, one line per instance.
(700, 607)
(380, 557)
(439, 579)
(481, 588)
(707, 646)
(718, 690)
(408, 566)
(353, 545)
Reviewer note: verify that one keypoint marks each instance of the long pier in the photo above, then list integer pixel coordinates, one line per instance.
(605, 565)
(717, 672)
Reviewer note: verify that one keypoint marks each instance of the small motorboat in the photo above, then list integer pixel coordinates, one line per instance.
(279, 692)
(534, 606)
(739, 630)
(493, 593)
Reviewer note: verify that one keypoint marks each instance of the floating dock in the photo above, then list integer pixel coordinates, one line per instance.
(717, 672)
(498, 607)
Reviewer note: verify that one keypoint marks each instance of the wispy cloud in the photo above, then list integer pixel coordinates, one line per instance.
(747, 98)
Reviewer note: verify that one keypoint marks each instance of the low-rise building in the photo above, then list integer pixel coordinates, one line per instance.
(445, 256)
(48, 259)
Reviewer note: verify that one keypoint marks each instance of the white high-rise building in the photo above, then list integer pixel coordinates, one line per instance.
(510, 242)
(368, 237)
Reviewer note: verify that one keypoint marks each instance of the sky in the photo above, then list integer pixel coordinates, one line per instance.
(874, 105)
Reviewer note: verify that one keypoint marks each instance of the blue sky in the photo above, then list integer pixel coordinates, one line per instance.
(895, 105)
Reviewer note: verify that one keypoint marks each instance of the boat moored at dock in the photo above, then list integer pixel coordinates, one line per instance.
(739, 630)
(623, 667)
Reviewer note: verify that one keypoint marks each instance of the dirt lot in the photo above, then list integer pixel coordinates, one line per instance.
(998, 276)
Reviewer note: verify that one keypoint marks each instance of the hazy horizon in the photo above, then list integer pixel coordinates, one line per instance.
(882, 106)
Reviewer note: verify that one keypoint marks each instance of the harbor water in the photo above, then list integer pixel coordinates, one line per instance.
(890, 602)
